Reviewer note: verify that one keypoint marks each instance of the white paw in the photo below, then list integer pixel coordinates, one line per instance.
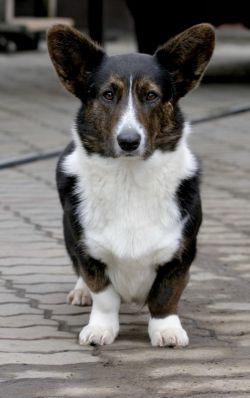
(79, 297)
(167, 332)
(94, 334)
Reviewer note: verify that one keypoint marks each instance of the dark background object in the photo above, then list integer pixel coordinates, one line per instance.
(156, 21)
(30, 8)
(153, 21)
(95, 20)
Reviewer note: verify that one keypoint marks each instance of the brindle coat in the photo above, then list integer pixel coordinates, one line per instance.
(87, 72)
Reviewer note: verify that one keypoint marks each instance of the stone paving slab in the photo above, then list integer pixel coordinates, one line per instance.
(39, 352)
(36, 113)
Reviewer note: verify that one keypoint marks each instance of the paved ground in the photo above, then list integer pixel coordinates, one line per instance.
(39, 353)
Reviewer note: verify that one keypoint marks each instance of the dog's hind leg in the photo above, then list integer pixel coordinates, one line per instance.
(80, 295)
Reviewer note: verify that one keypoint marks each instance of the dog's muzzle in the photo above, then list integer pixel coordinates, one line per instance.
(129, 140)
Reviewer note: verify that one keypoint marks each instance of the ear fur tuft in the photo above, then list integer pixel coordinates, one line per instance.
(73, 55)
(187, 55)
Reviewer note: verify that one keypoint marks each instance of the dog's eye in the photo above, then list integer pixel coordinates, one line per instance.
(151, 96)
(108, 95)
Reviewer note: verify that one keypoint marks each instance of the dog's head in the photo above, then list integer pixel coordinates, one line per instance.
(130, 102)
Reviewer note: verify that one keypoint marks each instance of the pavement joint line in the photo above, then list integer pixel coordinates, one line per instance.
(33, 119)
(19, 139)
(227, 163)
(39, 179)
(235, 195)
(233, 111)
(37, 227)
(34, 303)
(34, 157)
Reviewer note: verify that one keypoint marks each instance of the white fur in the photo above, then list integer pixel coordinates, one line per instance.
(130, 216)
(80, 295)
(129, 121)
(167, 332)
(103, 326)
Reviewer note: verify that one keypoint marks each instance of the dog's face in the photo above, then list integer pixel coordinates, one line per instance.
(130, 101)
(127, 111)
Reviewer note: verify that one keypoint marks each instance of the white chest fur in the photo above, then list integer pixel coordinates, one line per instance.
(129, 213)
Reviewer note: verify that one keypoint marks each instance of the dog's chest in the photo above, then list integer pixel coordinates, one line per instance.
(131, 222)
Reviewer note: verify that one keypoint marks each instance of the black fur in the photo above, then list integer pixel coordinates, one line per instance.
(172, 277)
(92, 270)
(189, 200)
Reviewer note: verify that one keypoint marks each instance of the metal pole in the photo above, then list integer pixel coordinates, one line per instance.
(9, 10)
(52, 8)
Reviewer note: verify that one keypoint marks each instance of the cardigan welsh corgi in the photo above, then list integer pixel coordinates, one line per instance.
(128, 182)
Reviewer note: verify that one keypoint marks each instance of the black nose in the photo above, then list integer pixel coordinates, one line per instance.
(129, 140)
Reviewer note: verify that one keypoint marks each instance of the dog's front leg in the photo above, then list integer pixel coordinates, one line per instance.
(103, 326)
(164, 327)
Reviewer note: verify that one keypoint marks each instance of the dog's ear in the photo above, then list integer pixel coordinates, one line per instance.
(74, 56)
(187, 55)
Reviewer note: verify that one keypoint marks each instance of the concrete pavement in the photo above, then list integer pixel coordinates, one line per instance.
(39, 352)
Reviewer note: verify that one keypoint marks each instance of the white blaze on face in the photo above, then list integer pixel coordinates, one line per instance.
(129, 119)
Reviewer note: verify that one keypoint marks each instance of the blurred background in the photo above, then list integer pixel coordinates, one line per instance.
(30, 90)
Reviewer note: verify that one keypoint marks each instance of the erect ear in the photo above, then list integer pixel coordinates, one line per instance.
(187, 55)
(74, 56)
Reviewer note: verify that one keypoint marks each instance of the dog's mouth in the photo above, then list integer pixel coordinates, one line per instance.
(132, 154)
(136, 153)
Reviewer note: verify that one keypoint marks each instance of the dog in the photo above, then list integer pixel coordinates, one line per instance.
(128, 182)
